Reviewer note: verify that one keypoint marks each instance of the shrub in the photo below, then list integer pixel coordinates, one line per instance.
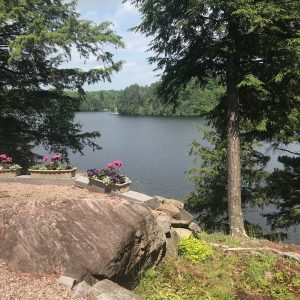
(194, 250)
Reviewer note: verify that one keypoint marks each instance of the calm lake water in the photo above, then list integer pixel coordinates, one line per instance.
(155, 154)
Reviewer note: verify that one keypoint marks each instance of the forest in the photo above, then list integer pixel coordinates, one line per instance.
(194, 100)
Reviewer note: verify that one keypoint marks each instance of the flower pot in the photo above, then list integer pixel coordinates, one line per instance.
(122, 188)
(10, 173)
(52, 174)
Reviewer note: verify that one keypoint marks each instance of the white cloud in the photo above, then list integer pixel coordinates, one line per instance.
(136, 42)
(98, 5)
(125, 13)
(132, 72)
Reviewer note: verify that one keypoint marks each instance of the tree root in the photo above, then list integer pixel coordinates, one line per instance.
(291, 255)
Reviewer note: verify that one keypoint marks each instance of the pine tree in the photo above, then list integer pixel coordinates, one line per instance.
(37, 39)
(252, 46)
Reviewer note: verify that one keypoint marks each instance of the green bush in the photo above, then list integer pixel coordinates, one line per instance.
(39, 168)
(194, 250)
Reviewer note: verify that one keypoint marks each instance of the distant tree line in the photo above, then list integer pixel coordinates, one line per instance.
(194, 100)
(98, 100)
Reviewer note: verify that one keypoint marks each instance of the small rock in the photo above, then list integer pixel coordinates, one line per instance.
(164, 200)
(108, 290)
(66, 281)
(182, 233)
(81, 290)
(170, 210)
(195, 228)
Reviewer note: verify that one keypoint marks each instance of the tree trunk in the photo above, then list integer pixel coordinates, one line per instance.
(236, 221)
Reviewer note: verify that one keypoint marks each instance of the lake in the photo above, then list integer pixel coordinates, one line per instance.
(154, 151)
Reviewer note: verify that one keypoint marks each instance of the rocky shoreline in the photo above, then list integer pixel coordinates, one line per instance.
(114, 238)
(60, 242)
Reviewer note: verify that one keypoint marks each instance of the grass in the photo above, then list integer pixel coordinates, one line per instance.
(224, 276)
(219, 238)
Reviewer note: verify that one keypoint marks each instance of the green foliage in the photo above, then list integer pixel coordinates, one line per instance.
(99, 100)
(193, 100)
(223, 276)
(255, 274)
(253, 48)
(60, 167)
(36, 38)
(283, 191)
(199, 39)
(209, 201)
(39, 167)
(219, 238)
(171, 280)
(145, 100)
(261, 275)
(296, 281)
(194, 250)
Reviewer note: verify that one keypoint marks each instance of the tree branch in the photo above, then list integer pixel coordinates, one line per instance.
(295, 153)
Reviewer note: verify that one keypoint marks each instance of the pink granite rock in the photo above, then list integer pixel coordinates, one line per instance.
(80, 237)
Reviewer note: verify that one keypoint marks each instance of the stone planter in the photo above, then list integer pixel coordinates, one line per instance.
(122, 188)
(10, 173)
(52, 174)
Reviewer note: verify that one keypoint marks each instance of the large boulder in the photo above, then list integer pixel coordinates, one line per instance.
(80, 238)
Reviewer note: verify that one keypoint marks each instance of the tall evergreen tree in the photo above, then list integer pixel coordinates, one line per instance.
(37, 38)
(252, 46)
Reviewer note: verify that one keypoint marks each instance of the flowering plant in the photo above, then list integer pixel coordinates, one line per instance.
(110, 175)
(6, 163)
(51, 163)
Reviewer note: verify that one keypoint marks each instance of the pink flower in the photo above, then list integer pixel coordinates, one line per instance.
(56, 156)
(111, 165)
(3, 156)
(118, 163)
(45, 158)
(8, 159)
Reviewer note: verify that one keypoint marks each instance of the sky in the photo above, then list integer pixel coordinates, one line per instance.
(136, 69)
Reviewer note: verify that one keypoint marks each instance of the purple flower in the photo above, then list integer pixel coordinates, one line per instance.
(92, 173)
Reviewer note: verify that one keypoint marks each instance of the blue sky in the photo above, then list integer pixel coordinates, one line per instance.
(124, 16)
